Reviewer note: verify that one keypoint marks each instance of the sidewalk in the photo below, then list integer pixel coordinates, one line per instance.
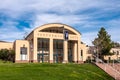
(108, 69)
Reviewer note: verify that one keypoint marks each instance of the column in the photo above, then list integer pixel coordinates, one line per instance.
(79, 54)
(31, 50)
(35, 49)
(65, 55)
(51, 51)
(75, 52)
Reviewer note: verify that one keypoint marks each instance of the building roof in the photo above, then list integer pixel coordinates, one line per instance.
(4, 41)
(53, 23)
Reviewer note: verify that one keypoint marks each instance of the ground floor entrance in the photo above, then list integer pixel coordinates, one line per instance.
(57, 51)
(43, 50)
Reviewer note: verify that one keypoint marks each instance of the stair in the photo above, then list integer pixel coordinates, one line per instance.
(110, 70)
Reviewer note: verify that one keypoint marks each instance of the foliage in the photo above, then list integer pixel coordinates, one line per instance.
(116, 44)
(31, 71)
(103, 43)
(7, 55)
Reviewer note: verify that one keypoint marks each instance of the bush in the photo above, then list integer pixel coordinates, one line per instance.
(7, 55)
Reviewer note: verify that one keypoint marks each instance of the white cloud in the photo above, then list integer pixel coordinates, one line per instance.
(89, 37)
(114, 30)
(63, 11)
(63, 6)
(9, 31)
(10, 34)
(54, 18)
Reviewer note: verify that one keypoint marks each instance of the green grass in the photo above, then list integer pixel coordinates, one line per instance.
(37, 71)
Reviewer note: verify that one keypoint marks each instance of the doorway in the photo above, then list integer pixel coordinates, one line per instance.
(43, 50)
(58, 51)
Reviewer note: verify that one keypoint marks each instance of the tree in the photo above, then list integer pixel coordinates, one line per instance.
(103, 43)
(116, 44)
(7, 55)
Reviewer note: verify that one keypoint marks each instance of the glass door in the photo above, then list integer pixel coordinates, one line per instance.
(43, 50)
(58, 51)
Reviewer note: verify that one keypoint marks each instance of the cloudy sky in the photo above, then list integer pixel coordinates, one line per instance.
(19, 17)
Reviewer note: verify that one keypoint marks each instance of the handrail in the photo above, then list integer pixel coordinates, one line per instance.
(116, 72)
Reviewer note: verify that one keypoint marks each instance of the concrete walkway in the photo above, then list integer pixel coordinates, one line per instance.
(110, 70)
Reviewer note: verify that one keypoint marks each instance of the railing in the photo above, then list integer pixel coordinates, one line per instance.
(106, 65)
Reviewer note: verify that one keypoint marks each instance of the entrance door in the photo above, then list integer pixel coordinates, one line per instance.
(70, 46)
(70, 55)
(43, 50)
(42, 58)
(58, 56)
(58, 51)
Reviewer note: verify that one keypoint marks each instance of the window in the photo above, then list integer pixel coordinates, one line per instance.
(81, 52)
(118, 58)
(113, 51)
(23, 53)
(109, 58)
(117, 52)
(23, 56)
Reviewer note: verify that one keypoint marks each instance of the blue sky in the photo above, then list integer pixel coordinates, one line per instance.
(18, 17)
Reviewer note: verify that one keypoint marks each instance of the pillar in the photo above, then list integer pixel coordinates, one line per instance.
(75, 52)
(51, 51)
(35, 49)
(31, 50)
(65, 55)
(79, 53)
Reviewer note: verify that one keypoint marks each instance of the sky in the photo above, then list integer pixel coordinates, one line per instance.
(19, 17)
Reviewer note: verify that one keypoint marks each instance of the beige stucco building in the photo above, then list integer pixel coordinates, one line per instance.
(115, 56)
(6, 45)
(53, 43)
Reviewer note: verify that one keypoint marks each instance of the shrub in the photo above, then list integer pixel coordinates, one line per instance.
(7, 55)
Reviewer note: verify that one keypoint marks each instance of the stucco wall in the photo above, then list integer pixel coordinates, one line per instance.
(116, 55)
(85, 51)
(6, 45)
(18, 45)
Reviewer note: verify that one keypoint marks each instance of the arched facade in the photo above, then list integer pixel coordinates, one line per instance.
(53, 43)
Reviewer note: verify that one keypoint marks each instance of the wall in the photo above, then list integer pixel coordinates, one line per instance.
(116, 52)
(18, 45)
(85, 51)
(6, 45)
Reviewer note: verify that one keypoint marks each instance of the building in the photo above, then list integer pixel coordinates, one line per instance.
(53, 43)
(6, 45)
(115, 51)
(115, 56)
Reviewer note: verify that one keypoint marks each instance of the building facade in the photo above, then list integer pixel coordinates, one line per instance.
(53, 43)
(115, 56)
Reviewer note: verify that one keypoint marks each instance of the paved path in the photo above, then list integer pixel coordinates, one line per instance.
(108, 69)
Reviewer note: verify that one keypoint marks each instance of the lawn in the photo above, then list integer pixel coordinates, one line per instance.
(37, 71)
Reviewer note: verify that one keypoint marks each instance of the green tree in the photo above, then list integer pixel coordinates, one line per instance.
(7, 55)
(116, 44)
(103, 43)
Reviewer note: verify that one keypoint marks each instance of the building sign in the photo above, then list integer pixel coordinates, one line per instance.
(65, 35)
(23, 50)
